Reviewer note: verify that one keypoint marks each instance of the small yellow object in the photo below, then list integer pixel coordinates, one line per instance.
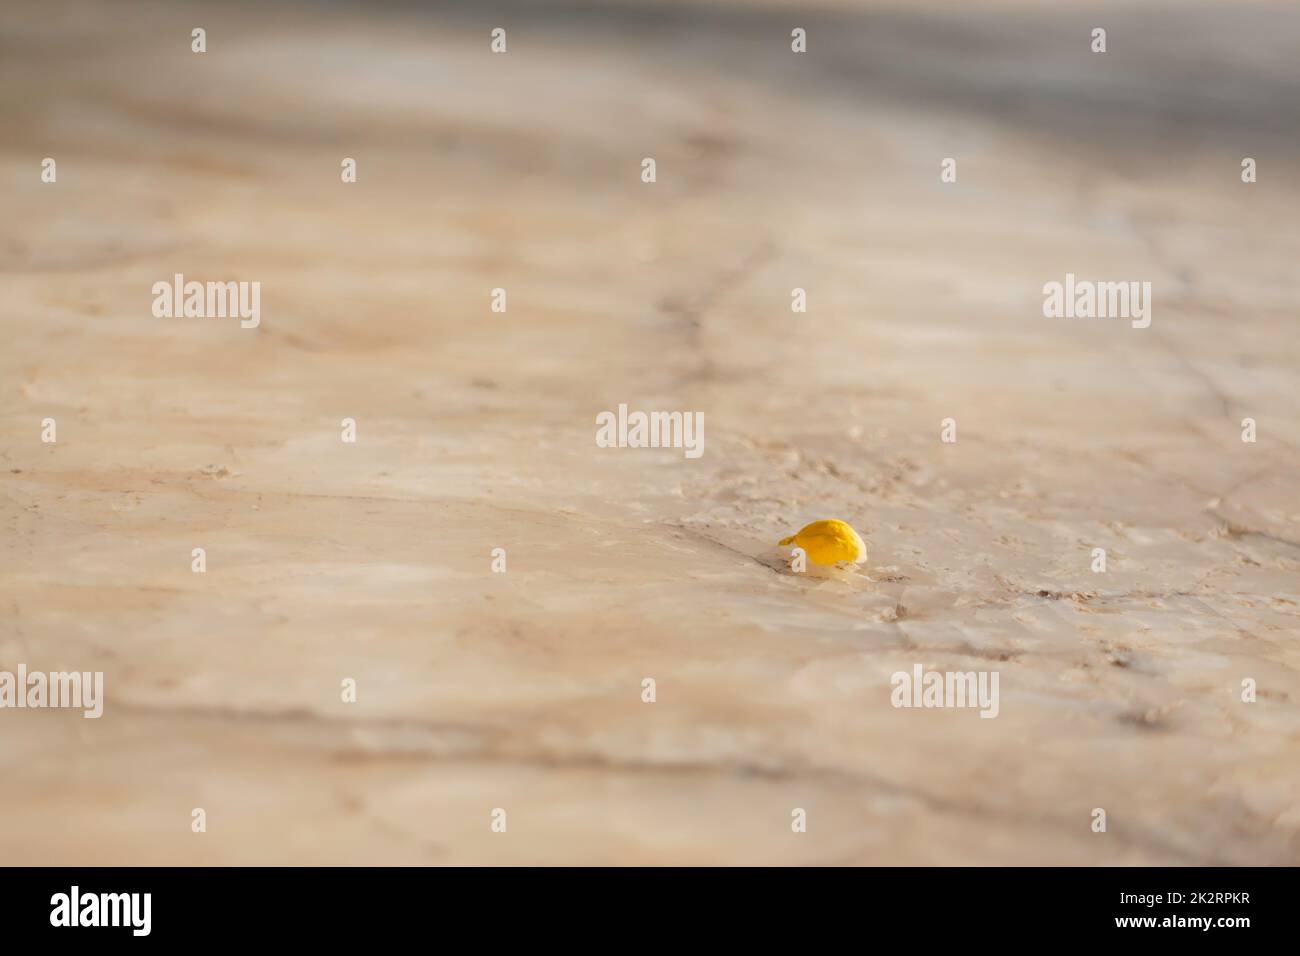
(829, 542)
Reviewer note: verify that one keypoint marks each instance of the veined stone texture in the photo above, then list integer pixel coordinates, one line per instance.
(522, 690)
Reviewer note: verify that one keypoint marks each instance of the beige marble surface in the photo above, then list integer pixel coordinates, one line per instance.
(475, 431)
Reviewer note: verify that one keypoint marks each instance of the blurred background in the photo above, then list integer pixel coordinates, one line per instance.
(523, 690)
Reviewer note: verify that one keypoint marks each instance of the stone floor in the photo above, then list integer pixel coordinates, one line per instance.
(371, 561)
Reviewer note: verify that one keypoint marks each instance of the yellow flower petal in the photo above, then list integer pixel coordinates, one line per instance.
(829, 542)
